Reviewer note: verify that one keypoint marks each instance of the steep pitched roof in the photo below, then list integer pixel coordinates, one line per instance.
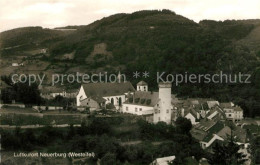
(107, 89)
(224, 132)
(240, 135)
(226, 105)
(213, 130)
(205, 130)
(98, 99)
(51, 89)
(237, 108)
(144, 98)
(142, 83)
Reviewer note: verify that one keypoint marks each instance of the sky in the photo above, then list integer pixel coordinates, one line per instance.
(58, 13)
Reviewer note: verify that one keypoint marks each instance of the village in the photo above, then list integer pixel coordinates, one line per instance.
(212, 121)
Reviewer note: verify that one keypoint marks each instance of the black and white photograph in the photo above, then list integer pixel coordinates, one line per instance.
(129, 82)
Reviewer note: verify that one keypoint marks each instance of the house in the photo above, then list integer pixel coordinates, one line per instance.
(201, 105)
(93, 103)
(233, 112)
(71, 93)
(159, 105)
(113, 93)
(141, 103)
(163, 160)
(50, 92)
(192, 115)
(216, 113)
(212, 103)
(208, 132)
(17, 64)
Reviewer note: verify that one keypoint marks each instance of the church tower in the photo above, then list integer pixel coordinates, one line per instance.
(142, 86)
(164, 106)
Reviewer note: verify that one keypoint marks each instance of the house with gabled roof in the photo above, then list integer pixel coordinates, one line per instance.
(232, 111)
(163, 161)
(207, 132)
(94, 103)
(50, 92)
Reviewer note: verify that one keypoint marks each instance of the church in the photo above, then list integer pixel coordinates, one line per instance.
(157, 104)
(98, 95)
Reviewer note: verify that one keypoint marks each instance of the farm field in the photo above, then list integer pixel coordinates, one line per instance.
(28, 116)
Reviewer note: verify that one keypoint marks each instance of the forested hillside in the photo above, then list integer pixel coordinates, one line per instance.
(150, 41)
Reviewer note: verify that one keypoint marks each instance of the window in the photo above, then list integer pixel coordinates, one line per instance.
(159, 118)
(126, 108)
(140, 109)
(167, 111)
(135, 109)
(229, 115)
(145, 88)
(159, 111)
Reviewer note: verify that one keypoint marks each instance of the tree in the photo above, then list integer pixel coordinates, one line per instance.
(108, 159)
(71, 132)
(31, 92)
(183, 125)
(226, 154)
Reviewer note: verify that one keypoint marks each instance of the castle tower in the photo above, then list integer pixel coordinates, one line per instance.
(163, 107)
(142, 86)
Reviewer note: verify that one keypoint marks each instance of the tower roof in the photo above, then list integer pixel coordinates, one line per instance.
(142, 83)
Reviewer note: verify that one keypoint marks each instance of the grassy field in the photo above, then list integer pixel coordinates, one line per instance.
(17, 110)
(25, 119)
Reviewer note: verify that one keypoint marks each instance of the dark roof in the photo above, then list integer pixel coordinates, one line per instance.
(107, 89)
(98, 99)
(237, 108)
(213, 130)
(225, 105)
(240, 135)
(225, 132)
(51, 89)
(142, 83)
(203, 130)
(144, 98)
(72, 90)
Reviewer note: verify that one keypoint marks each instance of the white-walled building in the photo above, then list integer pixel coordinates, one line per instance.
(233, 112)
(158, 104)
(163, 160)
